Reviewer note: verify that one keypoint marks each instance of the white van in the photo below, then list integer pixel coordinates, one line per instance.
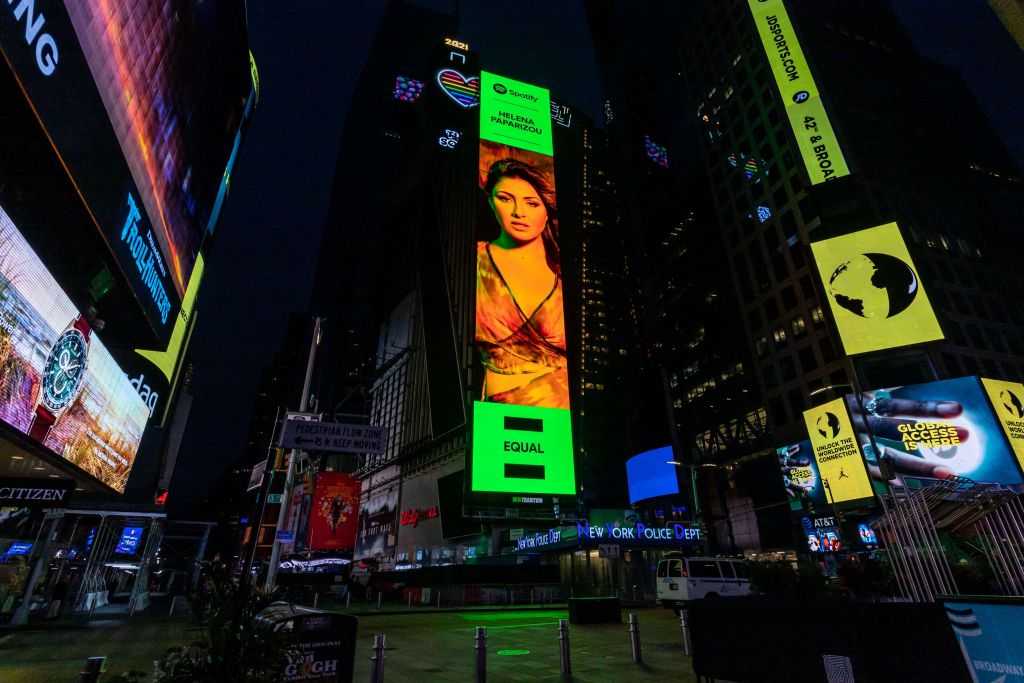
(691, 578)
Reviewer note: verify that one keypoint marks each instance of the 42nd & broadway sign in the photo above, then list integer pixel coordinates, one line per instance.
(332, 436)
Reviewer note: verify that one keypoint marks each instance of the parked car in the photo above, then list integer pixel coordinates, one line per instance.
(681, 579)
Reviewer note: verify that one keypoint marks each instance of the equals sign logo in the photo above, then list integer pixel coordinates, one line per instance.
(521, 445)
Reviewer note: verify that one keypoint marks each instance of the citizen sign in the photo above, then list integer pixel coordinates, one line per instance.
(27, 492)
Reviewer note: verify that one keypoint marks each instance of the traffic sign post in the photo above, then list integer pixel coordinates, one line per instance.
(275, 550)
(336, 437)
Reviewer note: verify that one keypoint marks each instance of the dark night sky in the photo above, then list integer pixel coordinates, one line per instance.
(309, 57)
(968, 36)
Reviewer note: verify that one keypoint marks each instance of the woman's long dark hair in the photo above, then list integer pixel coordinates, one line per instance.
(513, 168)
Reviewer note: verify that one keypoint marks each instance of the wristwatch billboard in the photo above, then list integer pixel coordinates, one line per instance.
(63, 374)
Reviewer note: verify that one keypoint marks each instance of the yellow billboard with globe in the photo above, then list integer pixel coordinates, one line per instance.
(873, 290)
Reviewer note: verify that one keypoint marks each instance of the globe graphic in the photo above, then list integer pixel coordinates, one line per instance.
(873, 285)
(828, 425)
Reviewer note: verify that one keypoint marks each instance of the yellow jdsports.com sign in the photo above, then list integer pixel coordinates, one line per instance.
(819, 148)
(1008, 401)
(837, 453)
(874, 292)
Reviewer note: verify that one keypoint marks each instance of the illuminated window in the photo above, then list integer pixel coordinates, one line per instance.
(817, 316)
(655, 152)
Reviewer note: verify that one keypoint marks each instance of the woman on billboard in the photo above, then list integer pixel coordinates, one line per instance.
(520, 327)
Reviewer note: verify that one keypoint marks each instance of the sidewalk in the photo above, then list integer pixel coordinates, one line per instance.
(522, 646)
(56, 651)
(424, 645)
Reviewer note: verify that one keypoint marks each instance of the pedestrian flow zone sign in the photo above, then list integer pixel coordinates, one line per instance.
(331, 436)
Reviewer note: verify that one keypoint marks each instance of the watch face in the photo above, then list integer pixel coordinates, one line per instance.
(64, 369)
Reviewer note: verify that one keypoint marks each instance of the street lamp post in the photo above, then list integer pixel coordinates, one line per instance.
(275, 552)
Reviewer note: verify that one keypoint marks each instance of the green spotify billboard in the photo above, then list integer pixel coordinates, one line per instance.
(521, 451)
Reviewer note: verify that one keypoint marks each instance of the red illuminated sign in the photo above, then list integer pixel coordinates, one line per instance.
(414, 516)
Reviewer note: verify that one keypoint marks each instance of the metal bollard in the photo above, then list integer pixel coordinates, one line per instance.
(348, 601)
(563, 646)
(439, 598)
(93, 669)
(481, 654)
(378, 600)
(684, 621)
(316, 598)
(634, 638)
(380, 643)
(409, 601)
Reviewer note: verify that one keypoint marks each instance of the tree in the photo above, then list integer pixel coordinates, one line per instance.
(236, 645)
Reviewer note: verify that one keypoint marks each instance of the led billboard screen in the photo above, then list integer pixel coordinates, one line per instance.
(522, 435)
(128, 544)
(334, 517)
(936, 430)
(1007, 400)
(819, 148)
(378, 525)
(19, 548)
(652, 474)
(58, 383)
(834, 445)
(174, 84)
(143, 102)
(800, 476)
(874, 292)
(991, 637)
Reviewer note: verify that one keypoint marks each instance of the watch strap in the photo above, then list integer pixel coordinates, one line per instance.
(42, 421)
(82, 325)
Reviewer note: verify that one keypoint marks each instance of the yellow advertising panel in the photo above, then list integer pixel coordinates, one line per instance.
(837, 453)
(819, 148)
(874, 292)
(1008, 400)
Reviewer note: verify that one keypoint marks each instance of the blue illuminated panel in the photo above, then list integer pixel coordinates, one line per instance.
(128, 544)
(652, 474)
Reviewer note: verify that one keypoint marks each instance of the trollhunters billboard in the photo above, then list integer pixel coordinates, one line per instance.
(936, 430)
(874, 293)
(143, 101)
(58, 383)
(522, 450)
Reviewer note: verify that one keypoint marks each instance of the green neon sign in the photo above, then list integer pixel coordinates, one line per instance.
(819, 148)
(515, 113)
(522, 449)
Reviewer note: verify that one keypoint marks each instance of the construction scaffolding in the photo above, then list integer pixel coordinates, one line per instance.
(916, 514)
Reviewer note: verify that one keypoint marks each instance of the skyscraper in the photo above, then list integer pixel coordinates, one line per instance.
(919, 153)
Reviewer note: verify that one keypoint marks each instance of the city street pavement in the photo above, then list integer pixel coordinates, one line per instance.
(423, 645)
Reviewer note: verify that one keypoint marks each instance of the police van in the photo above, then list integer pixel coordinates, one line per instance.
(681, 579)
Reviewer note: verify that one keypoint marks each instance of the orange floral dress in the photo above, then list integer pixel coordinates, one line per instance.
(512, 342)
